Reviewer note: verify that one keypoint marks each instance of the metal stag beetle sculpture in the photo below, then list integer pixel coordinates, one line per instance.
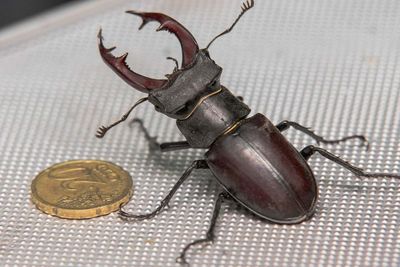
(250, 158)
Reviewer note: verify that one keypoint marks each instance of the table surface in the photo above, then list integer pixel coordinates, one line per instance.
(332, 66)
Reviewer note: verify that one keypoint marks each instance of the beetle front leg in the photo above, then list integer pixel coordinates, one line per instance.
(154, 145)
(308, 151)
(210, 233)
(197, 164)
(284, 125)
(101, 132)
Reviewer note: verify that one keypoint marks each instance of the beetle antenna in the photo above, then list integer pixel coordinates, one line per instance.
(176, 63)
(245, 7)
(174, 60)
(101, 132)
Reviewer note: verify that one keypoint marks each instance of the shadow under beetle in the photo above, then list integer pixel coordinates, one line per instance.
(250, 158)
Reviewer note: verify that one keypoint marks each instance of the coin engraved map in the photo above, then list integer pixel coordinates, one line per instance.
(81, 189)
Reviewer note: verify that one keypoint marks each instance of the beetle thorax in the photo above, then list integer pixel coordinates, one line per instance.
(204, 109)
(187, 87)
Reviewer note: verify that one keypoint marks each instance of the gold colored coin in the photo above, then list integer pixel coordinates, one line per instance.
(81, 189)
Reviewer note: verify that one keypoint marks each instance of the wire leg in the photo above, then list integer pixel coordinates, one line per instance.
(197, 164)
(101, 132)
(308, 151)
(210, 233)
(154, 145)
(284, 125)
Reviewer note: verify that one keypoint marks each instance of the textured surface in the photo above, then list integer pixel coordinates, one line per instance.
(329, 65)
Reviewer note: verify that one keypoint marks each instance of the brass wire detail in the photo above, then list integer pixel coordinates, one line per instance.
(200, 102)
(232, 127)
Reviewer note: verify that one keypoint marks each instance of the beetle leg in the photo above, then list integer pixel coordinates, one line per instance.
(154, 145)
(210, 233)
(101, 132)
(197, 164)
(308, 151)
(284, 125)
(173, 146)
(245, 7)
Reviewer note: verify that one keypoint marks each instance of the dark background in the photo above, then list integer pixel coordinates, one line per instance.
(15, 10)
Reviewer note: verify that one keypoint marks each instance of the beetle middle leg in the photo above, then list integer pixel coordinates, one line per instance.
(154, 145)
(284, 125)
(210, 233)
(197, 164)
(308, 151)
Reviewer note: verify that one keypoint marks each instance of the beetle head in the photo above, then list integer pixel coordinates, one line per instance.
(181, 91)
(172, 96)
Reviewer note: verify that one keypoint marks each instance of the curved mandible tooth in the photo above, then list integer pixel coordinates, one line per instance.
(119, 66)
(122, 59)
(186, 39)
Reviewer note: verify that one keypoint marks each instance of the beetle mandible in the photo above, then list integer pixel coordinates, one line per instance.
(250, 158)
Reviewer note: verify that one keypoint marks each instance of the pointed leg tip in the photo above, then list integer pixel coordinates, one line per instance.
(182, 261)
(367, 146)
(121, 213)
(101, 132)
(365, 142)
(124, 216)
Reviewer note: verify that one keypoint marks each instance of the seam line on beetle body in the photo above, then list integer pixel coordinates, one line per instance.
(200, 102)
(232, 127)
(278, 177)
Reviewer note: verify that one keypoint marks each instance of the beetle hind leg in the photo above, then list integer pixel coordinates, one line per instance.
(284, 125)
(308, 151)
(197, 164)
(210, 233)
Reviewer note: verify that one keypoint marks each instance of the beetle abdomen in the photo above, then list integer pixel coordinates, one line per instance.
(264, 172)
